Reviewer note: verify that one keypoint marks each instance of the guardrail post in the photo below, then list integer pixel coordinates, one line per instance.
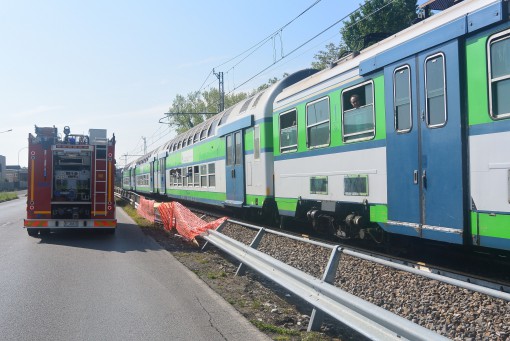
(218, 229)
(329, 277)
(241, 270)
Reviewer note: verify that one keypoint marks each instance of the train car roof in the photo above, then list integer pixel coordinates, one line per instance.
(375, 56)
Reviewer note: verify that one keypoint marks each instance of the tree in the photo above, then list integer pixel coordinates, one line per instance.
(325, 58)
(204, 103)
(374, 21)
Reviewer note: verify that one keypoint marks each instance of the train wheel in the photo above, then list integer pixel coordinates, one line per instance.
(32, 232)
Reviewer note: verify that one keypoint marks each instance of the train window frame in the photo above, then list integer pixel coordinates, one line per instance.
(410, 100)
(211, 174)
(496, 38)
(184, 177)
(291, 147)
(427, 97)
(229, 145)
(196, 175)
(317, 124)
(203, 175)
(256, 142)
(238, 147)
(345, 98)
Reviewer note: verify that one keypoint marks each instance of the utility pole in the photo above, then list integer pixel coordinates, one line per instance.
(221, 89)
(144, 145)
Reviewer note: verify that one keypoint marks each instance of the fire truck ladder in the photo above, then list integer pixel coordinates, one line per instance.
(100, 177)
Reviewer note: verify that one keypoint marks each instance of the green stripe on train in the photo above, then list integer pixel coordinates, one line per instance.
(286, 204)
(216, 196)
(379, 213)
(256, 200)
(490, 225)
(201, 153)
(476, 77)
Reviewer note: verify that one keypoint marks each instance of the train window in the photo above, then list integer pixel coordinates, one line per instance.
(184, 143)
(184, 177)
(499, 75)
(358, 114)
(189, 176)
(317, 123)
(230, 151)
(402, 99)
(203, 175)
(319, 185)
(256, 142)
(435, 91)
(179, 176)
(180, 145)
(288, 131)
(196, 138)
(203, 134)
(239, 149)
(196, 176)
(212, 174)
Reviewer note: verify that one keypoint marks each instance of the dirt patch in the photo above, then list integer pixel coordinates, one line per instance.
(268, 306)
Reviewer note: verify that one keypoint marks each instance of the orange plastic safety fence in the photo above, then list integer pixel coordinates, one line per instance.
(146, 209)
(186, 222)
(167, 215)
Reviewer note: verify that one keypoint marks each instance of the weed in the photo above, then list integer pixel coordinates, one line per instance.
(273, 329)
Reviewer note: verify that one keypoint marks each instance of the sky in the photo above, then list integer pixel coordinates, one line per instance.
(118, 64)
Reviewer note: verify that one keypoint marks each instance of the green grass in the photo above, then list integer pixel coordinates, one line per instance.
(273, 329)
(131, 211)
(216, 275)
(6, 196)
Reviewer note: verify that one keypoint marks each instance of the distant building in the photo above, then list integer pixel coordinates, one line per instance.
(2, 168)
(16, 176)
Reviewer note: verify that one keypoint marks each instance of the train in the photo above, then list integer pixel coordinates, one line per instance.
(408, 137)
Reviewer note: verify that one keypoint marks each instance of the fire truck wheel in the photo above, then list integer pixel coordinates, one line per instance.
(110, 231)
(44, 232)
(32, 232)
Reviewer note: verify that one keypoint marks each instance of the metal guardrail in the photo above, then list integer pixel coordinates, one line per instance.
(362, 316)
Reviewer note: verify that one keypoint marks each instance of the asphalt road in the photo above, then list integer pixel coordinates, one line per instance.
(79, 285)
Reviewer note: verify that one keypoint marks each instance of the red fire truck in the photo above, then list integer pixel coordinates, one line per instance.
(70, 181)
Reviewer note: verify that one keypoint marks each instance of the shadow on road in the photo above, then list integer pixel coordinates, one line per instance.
(128, 237)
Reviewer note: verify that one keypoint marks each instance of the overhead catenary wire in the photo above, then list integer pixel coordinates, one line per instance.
(269, 37)
(314, 37)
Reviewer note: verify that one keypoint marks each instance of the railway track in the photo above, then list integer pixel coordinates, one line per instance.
(480, 276)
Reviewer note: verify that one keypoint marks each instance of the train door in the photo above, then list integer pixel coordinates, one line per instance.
(162, 171)
(151, 176)
(426, 173)
(402, 150)
(235, 168)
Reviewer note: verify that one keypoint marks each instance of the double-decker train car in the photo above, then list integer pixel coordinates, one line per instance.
(407, 137)
(226, 160)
